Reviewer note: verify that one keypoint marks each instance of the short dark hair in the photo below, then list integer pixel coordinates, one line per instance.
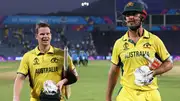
(41, 24)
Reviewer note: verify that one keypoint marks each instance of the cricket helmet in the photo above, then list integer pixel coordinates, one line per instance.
(135, 7)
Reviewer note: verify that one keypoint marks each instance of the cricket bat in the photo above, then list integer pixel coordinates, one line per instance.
(155, 63)
(67, 87)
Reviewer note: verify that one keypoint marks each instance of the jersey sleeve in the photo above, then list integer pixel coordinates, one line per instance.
(23, 68)
(115, 54)
(161, 49)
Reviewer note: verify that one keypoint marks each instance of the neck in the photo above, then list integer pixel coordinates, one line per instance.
(136, 33)
(43, 48)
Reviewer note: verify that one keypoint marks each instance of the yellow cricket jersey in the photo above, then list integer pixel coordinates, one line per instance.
(40, 67)
(129, 56)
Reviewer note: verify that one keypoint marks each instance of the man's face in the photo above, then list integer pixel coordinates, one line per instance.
(44, 36)
(133, 19)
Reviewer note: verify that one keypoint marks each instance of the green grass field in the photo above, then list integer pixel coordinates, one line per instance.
(92, 83)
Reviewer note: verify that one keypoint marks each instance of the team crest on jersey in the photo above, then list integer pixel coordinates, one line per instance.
(147, 45)
(54, 60)
(36, 61)
(126, 46)
(130, 4)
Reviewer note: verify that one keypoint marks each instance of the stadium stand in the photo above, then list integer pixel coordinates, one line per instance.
(94, 32)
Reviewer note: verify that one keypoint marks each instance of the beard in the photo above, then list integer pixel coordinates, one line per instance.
(134, 28)
(134, 25)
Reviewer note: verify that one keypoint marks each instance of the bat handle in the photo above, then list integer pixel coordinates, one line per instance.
(148, 58)
(155, 63)
(65, 58)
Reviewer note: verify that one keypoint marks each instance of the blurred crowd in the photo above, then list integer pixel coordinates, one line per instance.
(23, 39)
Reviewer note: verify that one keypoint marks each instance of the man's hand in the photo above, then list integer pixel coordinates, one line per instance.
(155, 64)
(108, 99)
(16, 98)
(61, 83)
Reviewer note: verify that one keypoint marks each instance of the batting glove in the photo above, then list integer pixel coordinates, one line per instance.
(143, 76)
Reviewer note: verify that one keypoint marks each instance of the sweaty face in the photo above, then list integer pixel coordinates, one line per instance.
(133, 19)
(44, 36)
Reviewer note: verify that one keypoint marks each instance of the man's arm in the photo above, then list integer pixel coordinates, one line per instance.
(71, 73)
(71, 77)
(165, 66)
(112, 80)
(18, 84)
(162, 52)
